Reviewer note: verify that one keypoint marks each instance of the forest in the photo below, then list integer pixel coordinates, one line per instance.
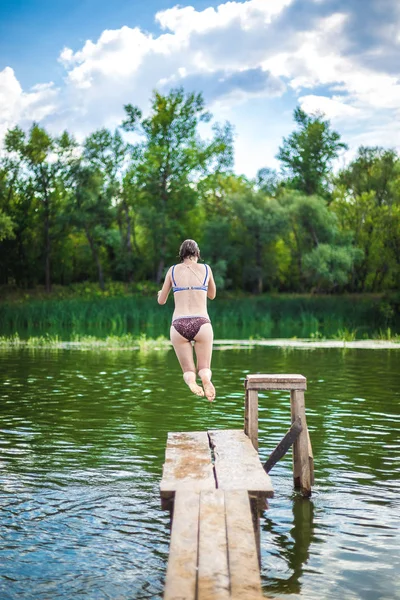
(116, 206)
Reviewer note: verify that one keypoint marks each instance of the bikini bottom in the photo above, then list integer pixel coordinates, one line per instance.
(189, 327)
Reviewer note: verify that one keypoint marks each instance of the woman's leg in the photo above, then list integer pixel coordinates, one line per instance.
(184, 352)
(203, 348)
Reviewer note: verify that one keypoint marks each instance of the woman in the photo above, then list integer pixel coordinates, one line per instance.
(192, 284)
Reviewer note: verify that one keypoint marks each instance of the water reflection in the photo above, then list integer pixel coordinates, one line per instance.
(82, 439)
(293, 546)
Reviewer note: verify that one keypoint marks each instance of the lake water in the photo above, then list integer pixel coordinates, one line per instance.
(82, 440)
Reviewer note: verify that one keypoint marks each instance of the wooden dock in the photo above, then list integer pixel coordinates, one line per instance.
(215, 488)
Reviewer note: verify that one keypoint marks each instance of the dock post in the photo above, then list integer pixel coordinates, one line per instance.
(303, 462)
(251, 416)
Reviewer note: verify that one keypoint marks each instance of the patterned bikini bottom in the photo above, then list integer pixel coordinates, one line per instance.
(189, 327)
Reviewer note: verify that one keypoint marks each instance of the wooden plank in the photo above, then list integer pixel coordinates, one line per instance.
(213, 573)
(236, 462)
(301, 463)
(283, 446)
(181, 578)
(243, 561)
(310, 458)
(187, 464)
(252, 416)
(259, 381)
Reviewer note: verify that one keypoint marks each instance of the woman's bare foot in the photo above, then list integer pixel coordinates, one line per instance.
(196, 389)
(190, 380)
(209, 390)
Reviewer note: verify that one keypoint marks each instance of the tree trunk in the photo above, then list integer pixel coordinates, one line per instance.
(96, 258)
(259, 265)
(299, 260)
(161, 265)
(164, 202)
(47, 242)
(128, 241)
(48, 249)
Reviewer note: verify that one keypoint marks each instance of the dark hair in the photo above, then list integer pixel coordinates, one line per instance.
(189, 248)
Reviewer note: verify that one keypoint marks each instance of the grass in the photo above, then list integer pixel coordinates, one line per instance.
(145, 345)
(141, 343)
(346, 335)
(265, 316)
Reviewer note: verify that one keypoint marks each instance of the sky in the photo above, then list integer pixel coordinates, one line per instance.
(73, 64)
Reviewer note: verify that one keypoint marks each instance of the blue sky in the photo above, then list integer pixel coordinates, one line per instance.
(73, 64)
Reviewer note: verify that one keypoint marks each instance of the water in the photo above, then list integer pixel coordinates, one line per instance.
(82, 439)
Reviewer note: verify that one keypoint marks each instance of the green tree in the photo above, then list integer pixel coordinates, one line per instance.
(367, 202)
(90, 210)
(173, 160)
(317, 244)
(40, 159)
(307, 154)
(109, 153)
(260, 220)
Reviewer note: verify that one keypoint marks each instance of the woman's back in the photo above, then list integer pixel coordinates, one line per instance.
(190, 287)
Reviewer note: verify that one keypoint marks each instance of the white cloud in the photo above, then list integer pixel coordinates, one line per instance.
(333, 108)
(20, 107)
(250, 15)
(222, 48)
(236, 53)
(321, 60)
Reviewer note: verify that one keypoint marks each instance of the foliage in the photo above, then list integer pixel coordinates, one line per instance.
(115, 208)
(173, 160)
(307, 154)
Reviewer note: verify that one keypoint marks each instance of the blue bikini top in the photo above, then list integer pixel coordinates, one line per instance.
(176, 288)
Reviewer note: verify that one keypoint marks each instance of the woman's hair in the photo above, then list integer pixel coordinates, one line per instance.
(189, 248)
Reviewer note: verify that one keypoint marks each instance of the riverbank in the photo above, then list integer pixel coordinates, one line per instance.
(144, 344)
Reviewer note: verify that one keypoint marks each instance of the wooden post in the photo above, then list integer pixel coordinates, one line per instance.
(301, 462)
(251, 416)
(255, 515)
(310, 458)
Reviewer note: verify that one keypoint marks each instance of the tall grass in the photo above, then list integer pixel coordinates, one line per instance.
(242, 318)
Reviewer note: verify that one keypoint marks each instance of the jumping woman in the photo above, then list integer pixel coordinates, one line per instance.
(192, 283)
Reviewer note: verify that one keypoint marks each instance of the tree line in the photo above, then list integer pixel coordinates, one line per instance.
(117, 205)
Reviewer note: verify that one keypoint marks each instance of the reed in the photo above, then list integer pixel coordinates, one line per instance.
(242, 318)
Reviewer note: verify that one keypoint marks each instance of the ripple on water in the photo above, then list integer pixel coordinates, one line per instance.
(81, 451)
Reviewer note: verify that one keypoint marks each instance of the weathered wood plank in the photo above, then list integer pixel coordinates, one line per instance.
(284, 445)
(236, 462)
(181, 578)
(310, 458)
(213, 573)
(301, 462)
(243, 561)
(187, 464)
(259, 381)
(251, 418)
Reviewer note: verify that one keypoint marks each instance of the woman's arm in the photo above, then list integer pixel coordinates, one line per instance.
(162, 295)
(212, 288)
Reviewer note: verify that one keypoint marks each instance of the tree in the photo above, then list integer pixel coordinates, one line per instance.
(6, 227)
(40, 157)
(260, 221)
(173, 160)
(323, 256)
(307, 154)
(267, 180)
(108, 152)
(90, 210)
(367, 202)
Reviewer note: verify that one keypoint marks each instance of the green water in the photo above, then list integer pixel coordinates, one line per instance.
(82, 439)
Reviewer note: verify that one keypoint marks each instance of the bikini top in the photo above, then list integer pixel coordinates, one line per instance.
(176, 288)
